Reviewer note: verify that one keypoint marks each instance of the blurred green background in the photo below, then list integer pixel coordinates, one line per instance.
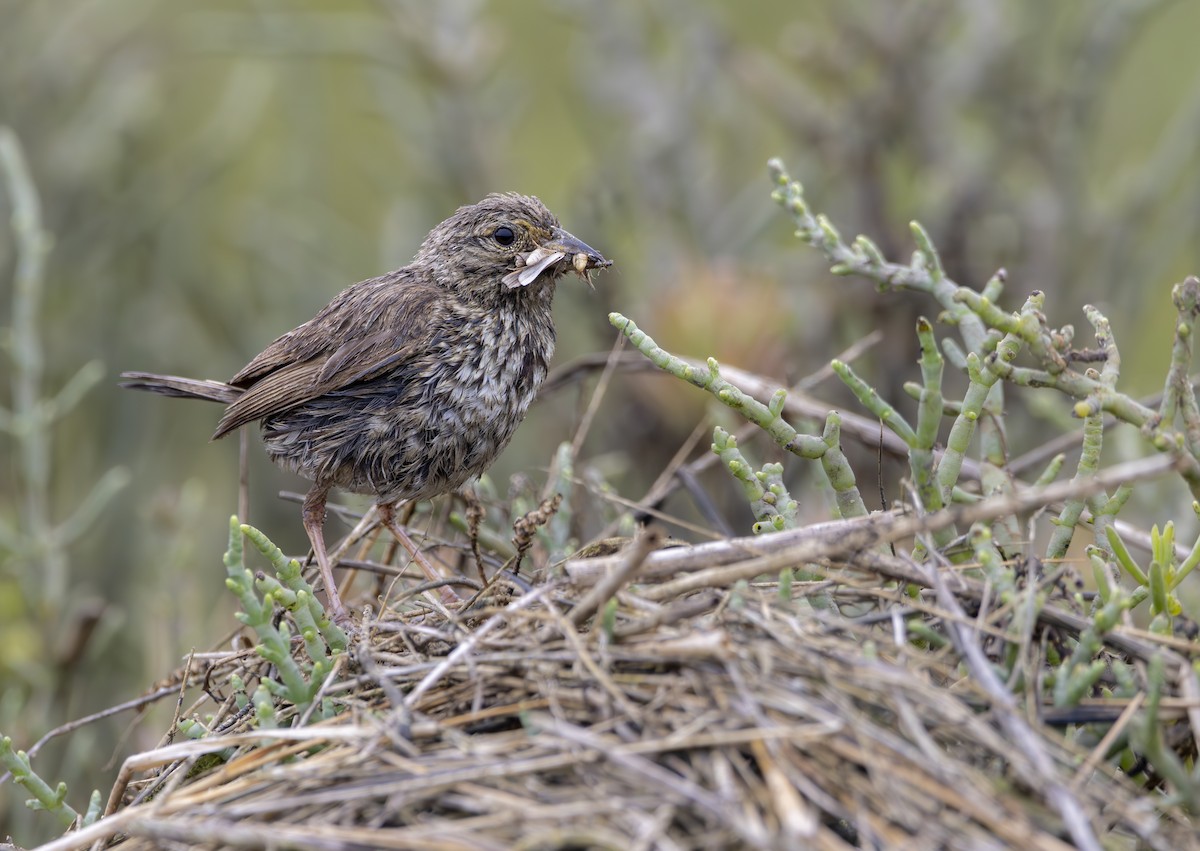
(213, 172)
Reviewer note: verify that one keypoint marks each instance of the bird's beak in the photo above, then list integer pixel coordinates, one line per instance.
(559, 247)
(583, 256)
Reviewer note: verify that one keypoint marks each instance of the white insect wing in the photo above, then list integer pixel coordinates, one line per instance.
(537, 262)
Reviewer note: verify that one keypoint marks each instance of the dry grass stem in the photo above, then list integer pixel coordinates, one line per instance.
(730, 713)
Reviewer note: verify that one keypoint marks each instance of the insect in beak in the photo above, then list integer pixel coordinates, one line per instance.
(560, 246)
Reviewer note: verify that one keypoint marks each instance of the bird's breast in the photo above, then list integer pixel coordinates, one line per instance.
(493, 383)
(432, 423)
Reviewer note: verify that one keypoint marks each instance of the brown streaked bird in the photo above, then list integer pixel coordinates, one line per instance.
(408, 385)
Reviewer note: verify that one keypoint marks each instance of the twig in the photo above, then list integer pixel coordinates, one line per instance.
(634, 557)
(1059, 794)
(471, 642)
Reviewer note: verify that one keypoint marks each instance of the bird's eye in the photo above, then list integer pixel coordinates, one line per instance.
(504, 235)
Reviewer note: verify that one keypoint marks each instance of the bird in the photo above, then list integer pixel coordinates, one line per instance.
(408, 385)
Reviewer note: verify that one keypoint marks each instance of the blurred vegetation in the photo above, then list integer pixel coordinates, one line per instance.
(211, 175)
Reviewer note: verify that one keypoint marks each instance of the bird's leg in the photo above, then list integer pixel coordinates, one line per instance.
(314, 524)
(387, 516)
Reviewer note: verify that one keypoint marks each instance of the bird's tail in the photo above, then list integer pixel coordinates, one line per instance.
(185, 388)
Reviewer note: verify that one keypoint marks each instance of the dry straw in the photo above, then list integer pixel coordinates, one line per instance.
(775, 712)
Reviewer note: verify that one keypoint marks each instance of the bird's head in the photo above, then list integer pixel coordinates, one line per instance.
(508, 241)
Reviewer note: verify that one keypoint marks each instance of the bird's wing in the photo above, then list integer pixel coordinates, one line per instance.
(276, 392)
(362, 332)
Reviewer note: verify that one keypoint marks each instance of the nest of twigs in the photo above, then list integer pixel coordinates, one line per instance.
(683, 698)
